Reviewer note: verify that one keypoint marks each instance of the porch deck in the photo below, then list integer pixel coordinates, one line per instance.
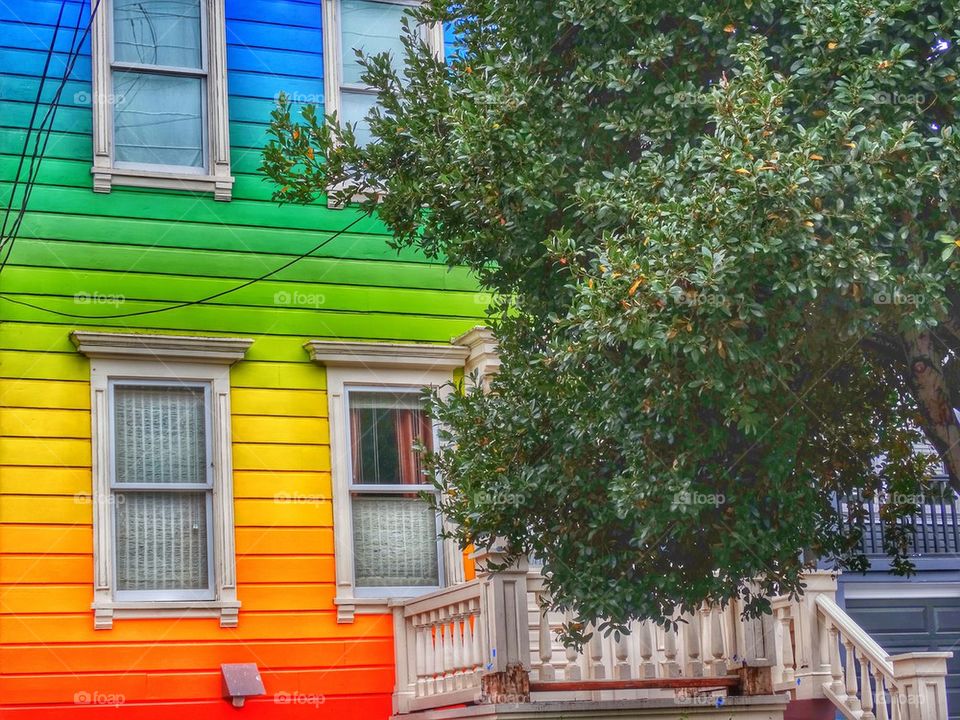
(484, 649)
(764, 707)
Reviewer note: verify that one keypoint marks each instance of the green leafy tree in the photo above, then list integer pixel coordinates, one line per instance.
(724, 241)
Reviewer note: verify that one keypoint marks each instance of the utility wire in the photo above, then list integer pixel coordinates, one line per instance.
(33, 116)
(39, 150)
(188, 303)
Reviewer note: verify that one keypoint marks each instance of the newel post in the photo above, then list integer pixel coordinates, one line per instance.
(503, 604)
(920, 680)
(404, 651)
(812, 657)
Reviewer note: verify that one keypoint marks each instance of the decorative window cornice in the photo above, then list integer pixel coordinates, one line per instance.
(412, 356)
(179, 348)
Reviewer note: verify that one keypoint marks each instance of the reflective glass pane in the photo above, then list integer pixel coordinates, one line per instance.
(158, 119)
(162, 541)
(157, 32)
(159, 434)
(384, 430)
(395, 542)
(354, 107)
(373, 27)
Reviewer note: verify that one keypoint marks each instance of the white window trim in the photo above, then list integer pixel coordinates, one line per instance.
(216, 178)
(116, 356)
(333, 55)
(363, 365)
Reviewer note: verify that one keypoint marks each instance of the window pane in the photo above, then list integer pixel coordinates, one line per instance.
(157, 32)
(373, 27)
(158, 119)
(394, 541)
(383, 430)
(354, 107)
(161, 541)
(160, 434)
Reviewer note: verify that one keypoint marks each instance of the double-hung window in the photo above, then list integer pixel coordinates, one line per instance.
(372, 27)
(160, 117)
(386, 531)
(396, 550)
(161, 490)
(162, 477)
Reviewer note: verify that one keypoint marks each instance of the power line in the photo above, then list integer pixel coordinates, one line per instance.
(36, 158)
(33, 116)
(188, 303)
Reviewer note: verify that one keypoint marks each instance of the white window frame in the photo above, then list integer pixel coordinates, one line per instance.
(113, 381)
(165, 360)
(358, 488)
(333, 56)
(375, 366)
(215, 176)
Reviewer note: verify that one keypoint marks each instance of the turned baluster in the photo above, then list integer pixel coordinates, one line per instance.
(836, 671)
(648, 668)
(693, 637)
(572, 669)
(458, 663)
(430, 664)
(896, 712)
(879, 698)
(786, 645)
(547, 671)
(597, 671)
(717, 648)
(670, 667)
(622, 651)
(823, 640)
(471, 654)
(853, 701)
(422, 638)
(866, 694)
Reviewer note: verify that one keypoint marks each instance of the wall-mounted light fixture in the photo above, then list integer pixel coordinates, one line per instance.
(240, 681)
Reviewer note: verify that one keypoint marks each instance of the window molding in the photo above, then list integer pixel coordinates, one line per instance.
(216, 178)
(116, 356)
(369, 364)
(333, 55)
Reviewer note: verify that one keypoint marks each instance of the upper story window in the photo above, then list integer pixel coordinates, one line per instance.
(371, 26)
(159, 95)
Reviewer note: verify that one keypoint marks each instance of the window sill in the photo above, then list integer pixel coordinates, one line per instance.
(347, 607)
(105, 178)
(105, 613)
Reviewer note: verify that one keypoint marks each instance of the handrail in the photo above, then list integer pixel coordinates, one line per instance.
(866, 645)
(441, 598)
(870, 684)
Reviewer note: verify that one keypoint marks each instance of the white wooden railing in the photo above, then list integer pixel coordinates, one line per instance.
(441, 644)
(451, 643)
(867, 683)
(707, 644)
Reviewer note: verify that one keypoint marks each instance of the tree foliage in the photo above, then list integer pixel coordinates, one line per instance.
(724, 238)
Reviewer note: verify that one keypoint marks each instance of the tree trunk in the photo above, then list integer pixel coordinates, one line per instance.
(932, 392)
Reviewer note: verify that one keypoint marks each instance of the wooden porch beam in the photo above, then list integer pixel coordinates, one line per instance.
(727, 681)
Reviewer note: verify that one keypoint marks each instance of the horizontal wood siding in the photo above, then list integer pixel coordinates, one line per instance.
(89, 256)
